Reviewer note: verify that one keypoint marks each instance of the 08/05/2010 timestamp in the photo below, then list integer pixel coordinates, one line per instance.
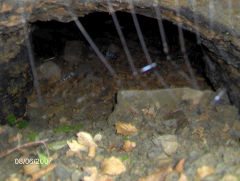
(27, 161)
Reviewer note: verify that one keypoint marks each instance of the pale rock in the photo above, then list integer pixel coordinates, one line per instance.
(168, 143)
(48, 70)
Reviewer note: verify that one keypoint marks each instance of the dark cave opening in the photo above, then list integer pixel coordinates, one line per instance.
(49, 40)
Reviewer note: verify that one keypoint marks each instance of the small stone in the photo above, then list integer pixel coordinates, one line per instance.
(97, 137)
(62, 173)
(155, 152)
(76, 176)
(80, 99)
(49, 70)
(170, 123)
(168, 142)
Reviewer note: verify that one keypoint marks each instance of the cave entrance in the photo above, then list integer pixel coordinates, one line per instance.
(71, 74)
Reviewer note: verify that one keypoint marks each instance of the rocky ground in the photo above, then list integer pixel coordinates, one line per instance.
(95, 127)
(167, 134)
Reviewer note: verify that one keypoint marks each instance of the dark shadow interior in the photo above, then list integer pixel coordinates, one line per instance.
(49, 38)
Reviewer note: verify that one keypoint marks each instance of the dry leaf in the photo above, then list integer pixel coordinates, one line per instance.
(92, 151)
(76, 147)
(34, 104)
(128, 146)
(159, 175)
(125, 128)
(112, 166)
(43, 172)
(204, 171)
(183, 177)
(6, 7)
(180, 166)
(85, 139)
(31, 169)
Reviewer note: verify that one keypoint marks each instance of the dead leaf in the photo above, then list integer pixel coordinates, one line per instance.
(76, 147)
(128, 146)
(85, 139)
(125, 129)
(31, 169)
(112, 166)
(34, 104)
(204, 171)
(92, 151)
(43, 172)
(159, 175)
(6, 7)
(180, 166)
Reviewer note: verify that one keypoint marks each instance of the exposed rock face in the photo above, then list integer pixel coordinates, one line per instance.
(15, 84)
(219, 30)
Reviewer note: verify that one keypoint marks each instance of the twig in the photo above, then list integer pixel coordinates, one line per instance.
(23, 146)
